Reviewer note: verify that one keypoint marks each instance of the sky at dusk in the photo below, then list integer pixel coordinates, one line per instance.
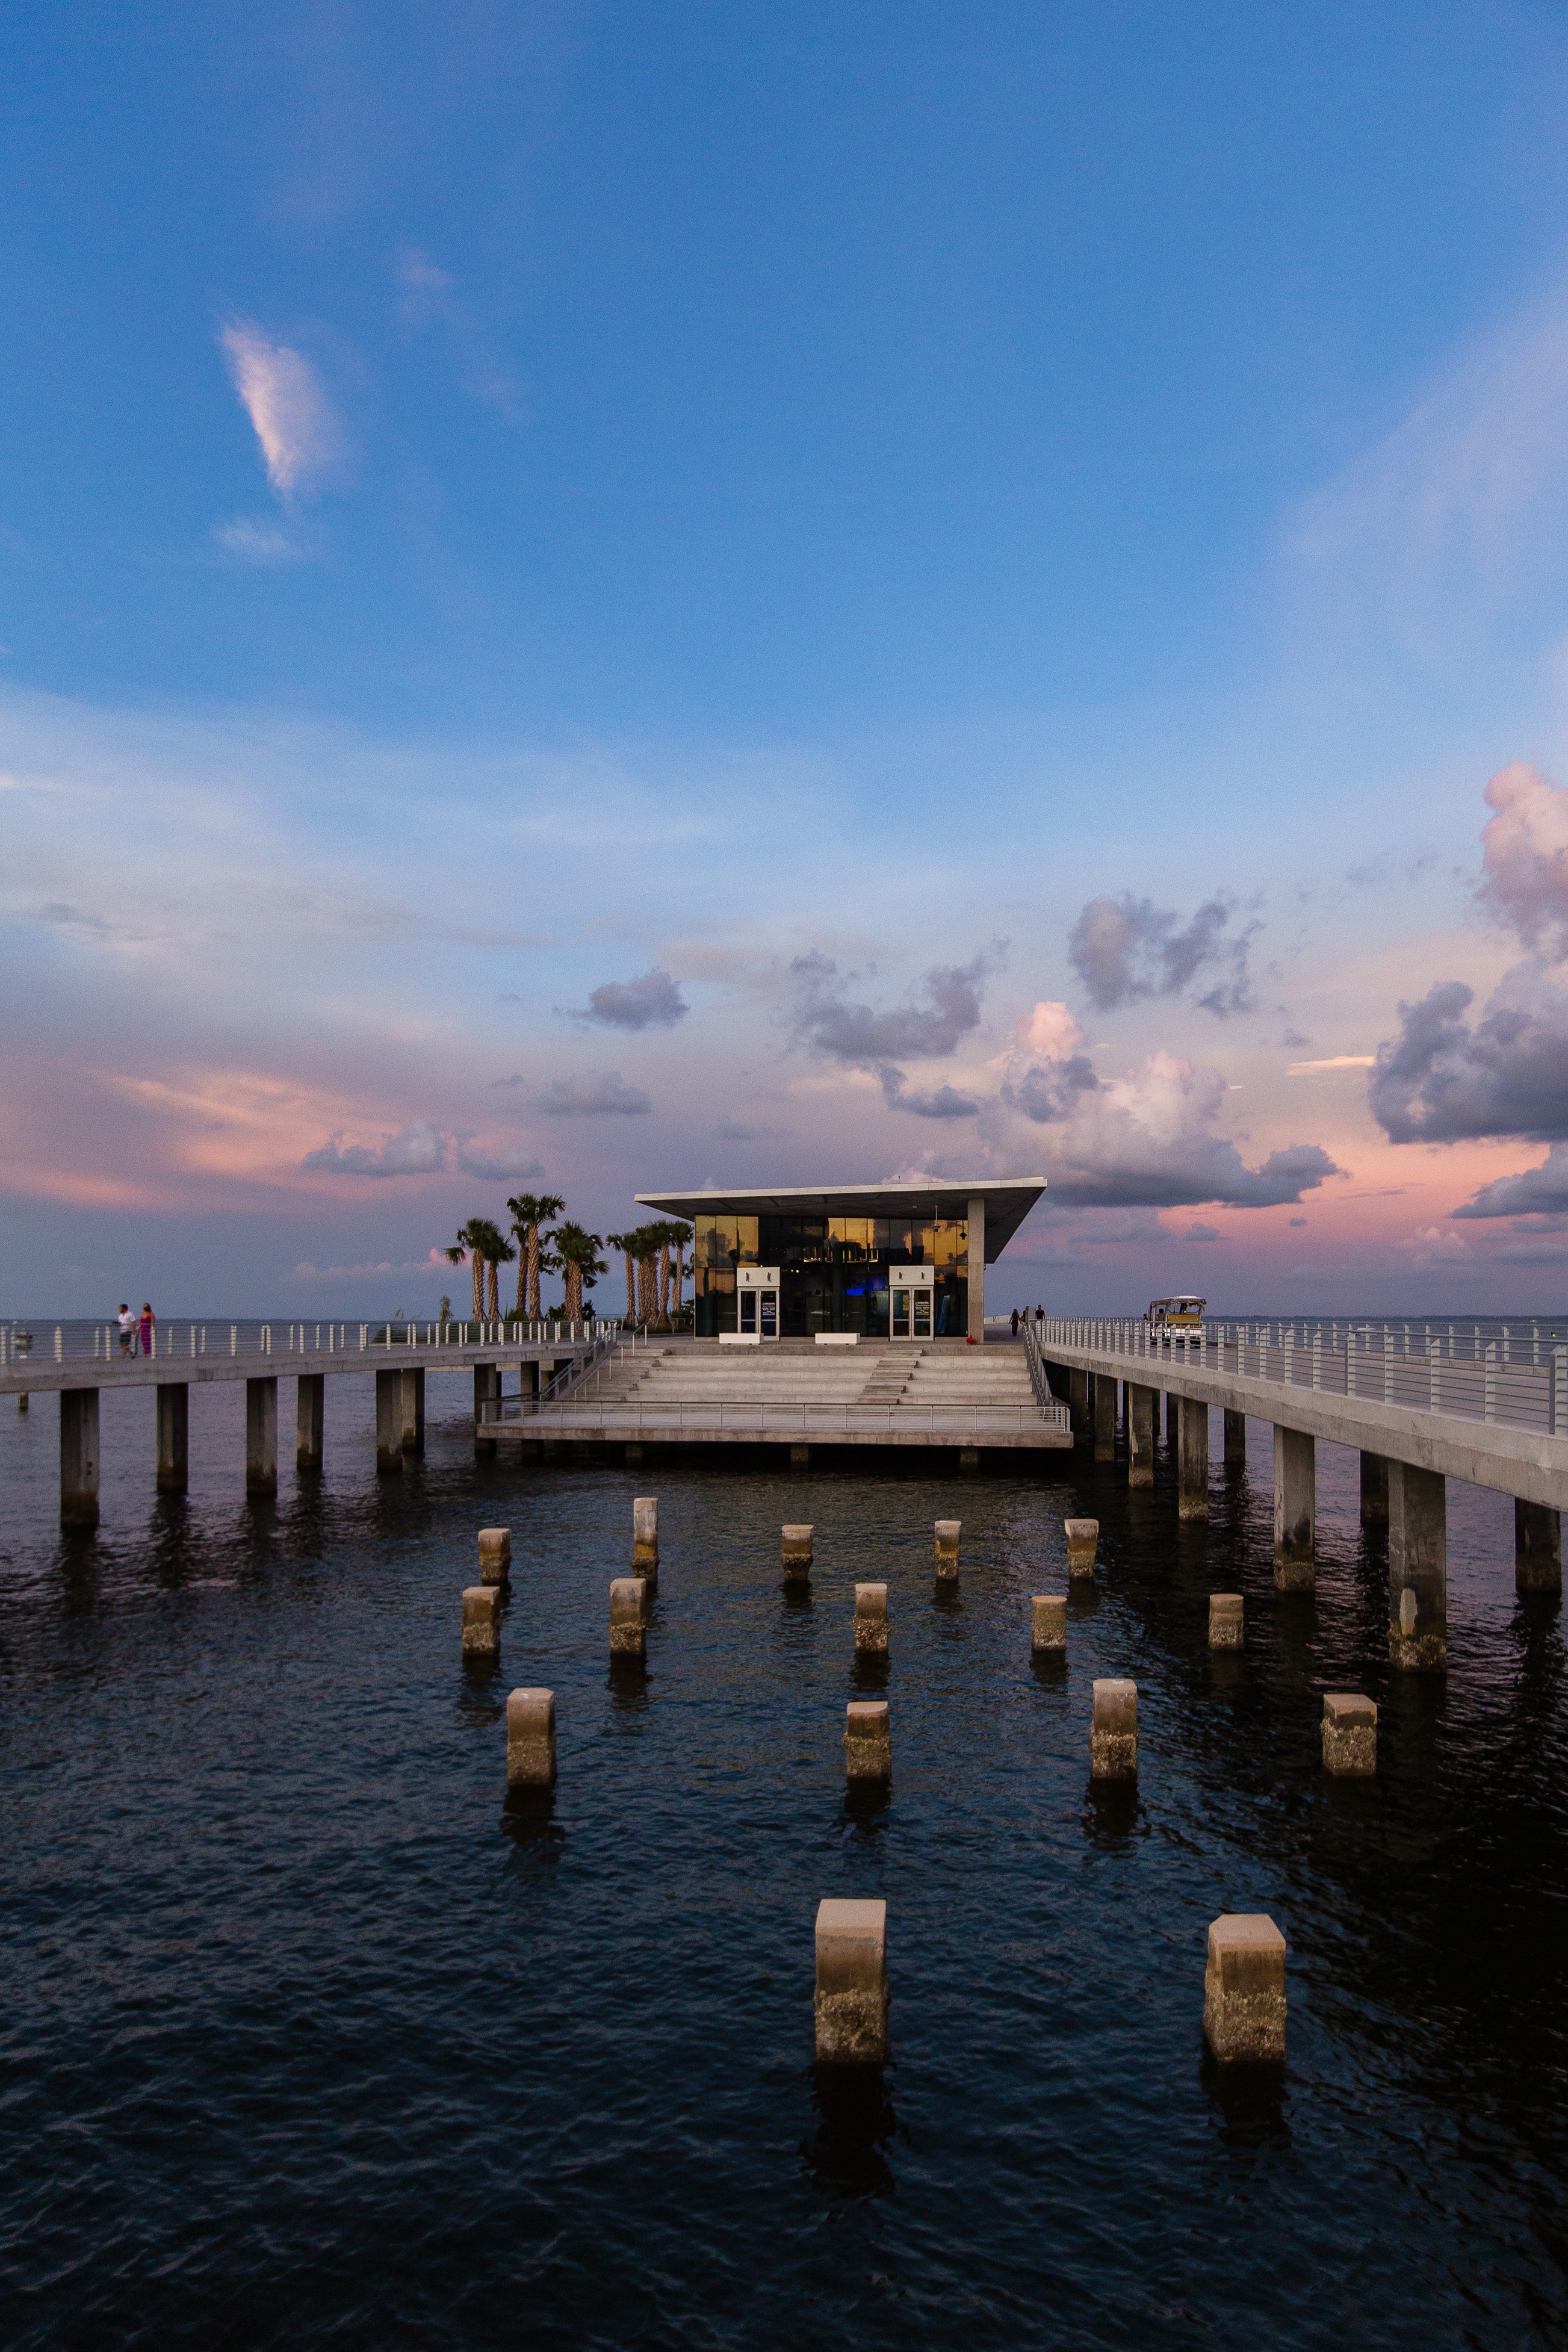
(606, 598)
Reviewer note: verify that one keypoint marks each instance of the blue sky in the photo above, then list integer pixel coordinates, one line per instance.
(773, 515)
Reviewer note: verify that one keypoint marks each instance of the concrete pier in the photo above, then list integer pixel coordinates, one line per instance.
(481, 1622)
(870, 1617)
(799, 1455)
(261, 1436)
(1244, 1990)
(1173, 1417)
(389, 1421)
(1083, 1543)
(1417, 1568)
(530, 1739)
(1235, 1440)
(1142, 1428)
(1114, 1732)
(1226, 1620)
(311, 1421)
(947, 1533)
(79, 1458)
(629, 1617)
(796, 1553)
(1192, 1459)
(1104, 1400)
(851, 1982)
(1374, 1490)
(1537, 1549)
(173, 1414)
(1350, 1734)
(868, 1740)
(1048, 1621)
(494, 1555)
(1295, 1511)
(645, 1532)
(486, 1388)
(414, 1410)
(1078, 1403)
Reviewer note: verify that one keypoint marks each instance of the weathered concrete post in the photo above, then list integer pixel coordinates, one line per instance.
(1083, 1543)
(1350, 1734)
(1143, 1427)
(799, 1455)
(947, 1533)
(797, 1554)
(1048, 1621)
(645, 1533)
(977, 1267)
(261, 1435)
(1295, 1511)
(1226, 1621)
(1244, 1990)
(870, 1617)
(1235, 1440)
(1104, 1417)
(629, 1617)
(1114, 1732)
(311, 1421)
(1374, 1490)
(851, 1982)
(1537, 1548)
(1077, 1402)
(412, 1431)
(173, 1436)
(494, 1555)
(530, 1739)
(79, 1458)
(1192, 1453)
(1417, 1568)
(486, 1388)
(868, 1740)
(481, 1622)
(388, 1421)
(1173, 1417)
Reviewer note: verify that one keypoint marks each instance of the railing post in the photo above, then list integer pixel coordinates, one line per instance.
(1434, 1375)
(59, 1346)
(1557, 1362)
(1387, 1367)
(1317, 1360)
(1491, 1411)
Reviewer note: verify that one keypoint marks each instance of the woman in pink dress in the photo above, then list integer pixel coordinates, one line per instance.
(144, 1328)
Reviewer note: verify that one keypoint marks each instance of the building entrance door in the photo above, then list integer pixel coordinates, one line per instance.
(757, 1301)
(910, 1289)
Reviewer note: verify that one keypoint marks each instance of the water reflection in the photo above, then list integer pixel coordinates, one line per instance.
(1248, 2102)
(528, 1819)
(796, 1596)
(627, 1682)
(481, 1693)
(870, 1670)
(866, 1807)
(1112, 1815)
(845, 2157)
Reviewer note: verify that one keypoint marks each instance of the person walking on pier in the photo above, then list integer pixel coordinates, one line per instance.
(127, 1322)
(1015, 1322)
(144, 1329)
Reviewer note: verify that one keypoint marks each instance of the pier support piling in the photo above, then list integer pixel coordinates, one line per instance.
(1235, 1440)
(487, 1389)
(1350, 1735)
(1083, 1543)
(173, 1414)
(412, 1430)
(1374, 1490)
(868, 1740)
(1142, 1425)
(871, 1618)
(1078, 1402)
(1048, 1621)
(1226, 1620)
(389, 1421)
(645, 1534)
(530, 1739)
(629, 1617)
(851, 1982)
(1192, 1458)
(79, 1458)
(1295, 1511)
(1114, 1732)
(261, 1435)
(1173, 1417)
(481, 1622)
(947, 1532)
(1104, 1417)
(1244, 1990)
(1417, 1568)
(311, 1421)
(1537, 1549)
(494, 1555)
(797, 1554)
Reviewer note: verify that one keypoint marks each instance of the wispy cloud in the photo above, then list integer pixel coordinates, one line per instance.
(250, 540)
(299, 435)
(593, 1095)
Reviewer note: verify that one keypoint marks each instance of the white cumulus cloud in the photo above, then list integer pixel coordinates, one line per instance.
(294, 422)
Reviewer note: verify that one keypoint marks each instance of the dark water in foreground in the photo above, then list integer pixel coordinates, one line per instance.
(305, 2040)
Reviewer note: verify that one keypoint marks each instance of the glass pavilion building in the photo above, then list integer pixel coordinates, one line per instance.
(880, 1261)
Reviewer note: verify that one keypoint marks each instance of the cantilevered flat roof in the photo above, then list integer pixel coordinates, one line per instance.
(1008, 1199)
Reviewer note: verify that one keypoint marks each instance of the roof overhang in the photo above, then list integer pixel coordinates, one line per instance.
(1008, 1199)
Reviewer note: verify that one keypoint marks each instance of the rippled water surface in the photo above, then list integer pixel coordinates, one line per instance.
(308, 2039)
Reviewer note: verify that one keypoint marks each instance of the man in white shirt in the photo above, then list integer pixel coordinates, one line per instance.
(127, 1328)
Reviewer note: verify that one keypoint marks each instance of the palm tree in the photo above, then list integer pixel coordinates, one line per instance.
(645, 1248)
(470, 1245)
(681, 1233)
(576, 1251)
(496, 1252)
(624, 1241)
(529, 1211)
(667, 1233)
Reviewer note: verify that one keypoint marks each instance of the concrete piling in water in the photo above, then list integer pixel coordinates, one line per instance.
(871, 1618)
(1114, 1732)
(494, 1555)
(1078, 1402)
(799, 1455)
(412, 1410)
(389, 1421)
(1173, 1418)
(79, 1458)
(645, 1533)
(1226, 1621)
(311, 1421)
(1537, 1548)
(1048, 1621)
(173, 1420)
(796, 1553)
(1192, 1459)
(530, 1739)
(1083, 1543)
(1244, 1990)
(481, 1622)
(629, 1617)
(1295, 1511)
(947, 1532)
(261, 1435)
(1418, 1569)
(1374, 1490)
(851, 1982)
(486, 1390)
(868, 1740)
(1104, 1401)
(1350, 1734)
(1143, 1427)
(1235, 1440)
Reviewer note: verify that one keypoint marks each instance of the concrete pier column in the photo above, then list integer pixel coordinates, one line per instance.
(645, 1532)
(870, 1617)
(1048, 1621)
(1374, 1490)
(1192, 1458)
(629, 1617)
(799, 1455)
(311, 1421)
(261, 1435)
(1537, 1548)
(1226, 1620)
(851, 1982)
(481, 1622)
(388, 1421)
(1104, 1417)
(1417, 1568)
(1173, 1417)
(79, 1458)
(414, 1410)
(1078, 1401)
(868, 1740)
(1083, 1543)
(797, 1554)
(1295, 1511)
(1114, 1732)
(947, 1534)
(1244, 1990)
(486, 1386)
(530, 1739)
(1235, 1440)
(977, 1267)
(1350, 1735)
(1143, 1430)
(494, 1555)
(173, 1436)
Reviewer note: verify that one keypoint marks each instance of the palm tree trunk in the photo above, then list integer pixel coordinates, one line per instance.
(477, 1264)
(494, 1283)
(646, 1291)
(573, 1291)
(534, 1309)
(664, 1324)
(680, 1274)
(522, 1280)
(631, 1287)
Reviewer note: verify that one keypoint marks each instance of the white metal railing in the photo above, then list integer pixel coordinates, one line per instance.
(100, 1342)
